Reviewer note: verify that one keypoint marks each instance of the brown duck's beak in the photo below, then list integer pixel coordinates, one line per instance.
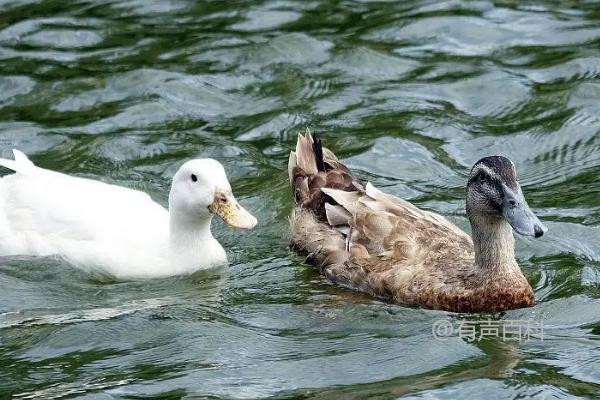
(518, 214)
(226, 206)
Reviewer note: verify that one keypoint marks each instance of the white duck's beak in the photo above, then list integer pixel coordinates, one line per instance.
(226, 206)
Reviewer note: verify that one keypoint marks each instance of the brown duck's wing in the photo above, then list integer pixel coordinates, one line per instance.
(390, 228)
(375, 199)
(394, 248)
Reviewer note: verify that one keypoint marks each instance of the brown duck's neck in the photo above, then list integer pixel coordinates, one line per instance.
(500, 284)
(495, 283)
(494, 246)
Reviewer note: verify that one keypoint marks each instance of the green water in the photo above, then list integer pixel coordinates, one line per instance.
(409, 94)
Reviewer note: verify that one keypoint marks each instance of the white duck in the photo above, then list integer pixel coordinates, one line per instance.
(115, 230)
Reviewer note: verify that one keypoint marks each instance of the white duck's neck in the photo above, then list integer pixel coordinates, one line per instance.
(186, 235)
(494, 244)
(192, 244)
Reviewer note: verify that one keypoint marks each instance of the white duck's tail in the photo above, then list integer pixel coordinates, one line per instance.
(20, 164)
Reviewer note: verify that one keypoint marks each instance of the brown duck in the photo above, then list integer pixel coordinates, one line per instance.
(377, 243)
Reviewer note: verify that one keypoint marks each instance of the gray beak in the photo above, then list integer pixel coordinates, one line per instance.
(518, 214)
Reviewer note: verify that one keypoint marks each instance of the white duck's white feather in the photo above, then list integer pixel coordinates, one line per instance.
(108, 228)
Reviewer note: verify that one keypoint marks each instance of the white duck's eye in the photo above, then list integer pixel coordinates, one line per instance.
(194, 178)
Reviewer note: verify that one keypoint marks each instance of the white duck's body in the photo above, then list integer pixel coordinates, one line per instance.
(108, 228)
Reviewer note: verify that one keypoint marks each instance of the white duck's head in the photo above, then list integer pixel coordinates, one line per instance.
(200, 189)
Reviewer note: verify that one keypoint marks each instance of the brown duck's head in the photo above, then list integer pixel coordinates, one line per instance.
(493, 192)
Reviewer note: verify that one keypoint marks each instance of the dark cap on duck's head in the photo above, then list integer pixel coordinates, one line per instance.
(498, 167)
(493, 191)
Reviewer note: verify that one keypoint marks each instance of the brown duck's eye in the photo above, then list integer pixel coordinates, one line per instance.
(194, 178)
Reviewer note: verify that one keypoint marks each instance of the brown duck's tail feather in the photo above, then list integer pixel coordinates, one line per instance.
(305, 155)
(312, 168)
(318, 152)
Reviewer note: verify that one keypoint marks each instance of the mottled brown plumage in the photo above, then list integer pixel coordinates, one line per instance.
(377, 243)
